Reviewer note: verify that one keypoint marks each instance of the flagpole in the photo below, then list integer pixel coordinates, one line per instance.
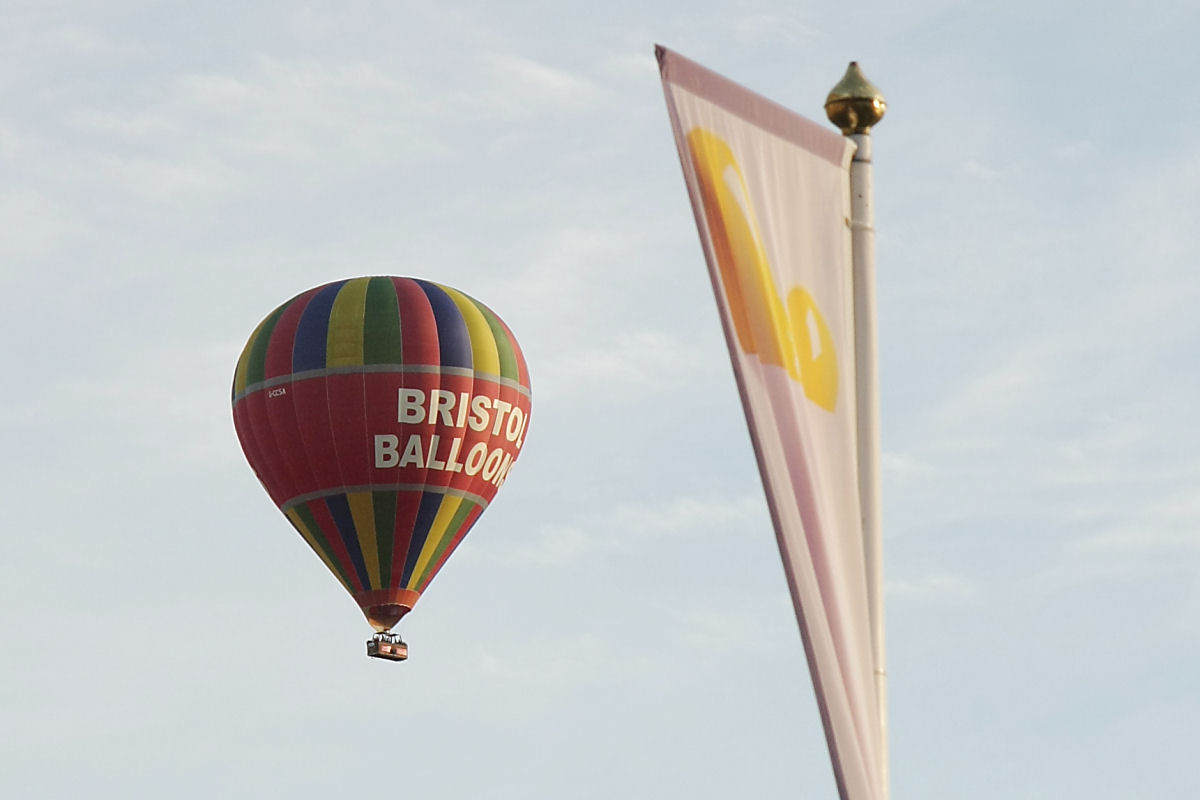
(855, 106)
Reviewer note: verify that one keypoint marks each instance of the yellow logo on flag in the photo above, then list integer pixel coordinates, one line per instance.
(794, 336)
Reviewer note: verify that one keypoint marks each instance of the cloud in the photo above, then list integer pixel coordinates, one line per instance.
(560, 545)
(237, 126)
(929, 588)
(905, 467)
(170, 403)
(1075, 151)
(1162, 532)
(572, 662)
(577, 341)
(308, 110)
(629, 365)
(642, 527)
(742, 625)
(56, 43)
(523, 85)
(764, 28)
(998, 391)
(973, 168)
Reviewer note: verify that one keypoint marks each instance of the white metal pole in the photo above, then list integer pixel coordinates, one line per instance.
(862, 228)
(855, 106)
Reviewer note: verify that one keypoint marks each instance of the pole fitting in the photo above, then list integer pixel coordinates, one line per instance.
(855, 105)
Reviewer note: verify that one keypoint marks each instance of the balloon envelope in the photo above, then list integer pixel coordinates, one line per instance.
(381, 415)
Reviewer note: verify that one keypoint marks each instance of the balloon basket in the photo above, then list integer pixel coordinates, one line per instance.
(388, 646)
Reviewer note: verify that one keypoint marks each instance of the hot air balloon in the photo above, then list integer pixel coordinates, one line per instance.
(381, 415)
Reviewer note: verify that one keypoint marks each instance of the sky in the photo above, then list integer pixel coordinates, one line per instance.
(618, 623)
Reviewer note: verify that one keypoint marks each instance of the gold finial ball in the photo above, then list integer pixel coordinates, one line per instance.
(855, 105)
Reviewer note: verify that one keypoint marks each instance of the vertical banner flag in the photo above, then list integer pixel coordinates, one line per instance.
(771, 195)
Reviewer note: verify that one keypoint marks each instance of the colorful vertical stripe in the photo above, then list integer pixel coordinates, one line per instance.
(361, 406)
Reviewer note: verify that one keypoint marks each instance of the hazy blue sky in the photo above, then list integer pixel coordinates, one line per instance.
(618, 624)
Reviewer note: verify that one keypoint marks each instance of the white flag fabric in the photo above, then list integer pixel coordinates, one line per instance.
(771, 195)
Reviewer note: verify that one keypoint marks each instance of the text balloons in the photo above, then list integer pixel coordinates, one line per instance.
(381, 415)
